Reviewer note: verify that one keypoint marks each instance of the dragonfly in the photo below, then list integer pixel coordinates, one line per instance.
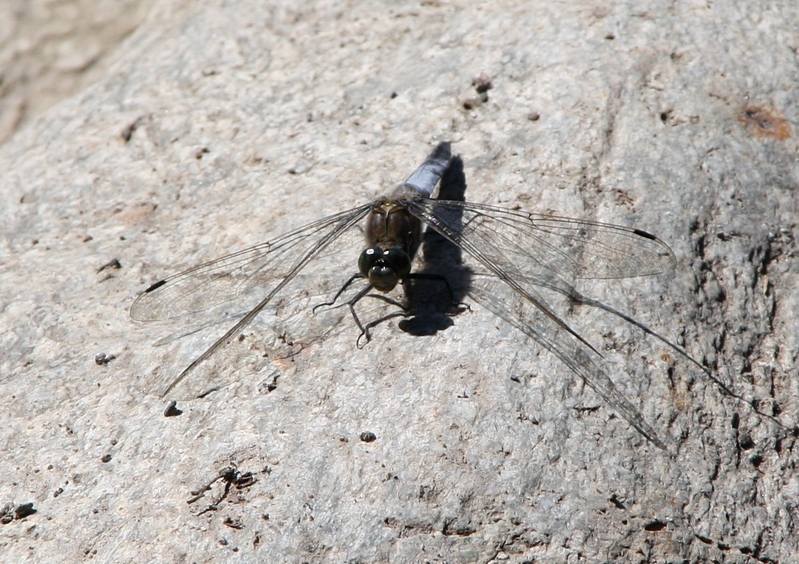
(520, 253)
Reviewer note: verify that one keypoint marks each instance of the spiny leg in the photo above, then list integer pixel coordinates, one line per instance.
(346, 285)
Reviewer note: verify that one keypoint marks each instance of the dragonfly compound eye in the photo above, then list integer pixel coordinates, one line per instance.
(384, 268)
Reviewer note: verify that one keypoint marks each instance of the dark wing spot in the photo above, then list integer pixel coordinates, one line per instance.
(155, 286)
(640, 233)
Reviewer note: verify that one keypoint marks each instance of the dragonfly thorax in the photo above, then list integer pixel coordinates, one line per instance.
(390, 225)
(384, 267)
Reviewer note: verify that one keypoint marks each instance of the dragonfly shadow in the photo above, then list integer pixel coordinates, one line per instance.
(436, 292)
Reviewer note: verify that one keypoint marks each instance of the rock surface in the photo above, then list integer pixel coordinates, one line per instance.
(223, 124)
(52, 49)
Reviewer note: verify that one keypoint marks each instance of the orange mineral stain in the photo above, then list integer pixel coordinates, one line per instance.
(762, 121)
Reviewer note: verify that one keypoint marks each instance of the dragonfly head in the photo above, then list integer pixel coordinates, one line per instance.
(384, 267)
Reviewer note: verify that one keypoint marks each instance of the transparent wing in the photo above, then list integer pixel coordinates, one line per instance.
(529, 251)
(273, 264)
(513, 308)
(534, 243)
(218, 281)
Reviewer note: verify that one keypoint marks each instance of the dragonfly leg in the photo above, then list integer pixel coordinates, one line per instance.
(365, 328)
(343, 289)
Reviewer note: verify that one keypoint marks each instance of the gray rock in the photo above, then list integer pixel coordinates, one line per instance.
(221, 125)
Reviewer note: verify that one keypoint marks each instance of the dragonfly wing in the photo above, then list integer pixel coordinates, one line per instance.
(218, 281)
(542, 244)
(510, 306)
(459, 224)
(524, 253)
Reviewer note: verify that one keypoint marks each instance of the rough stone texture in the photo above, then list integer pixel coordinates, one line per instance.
(254, 118)
(51, 49)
